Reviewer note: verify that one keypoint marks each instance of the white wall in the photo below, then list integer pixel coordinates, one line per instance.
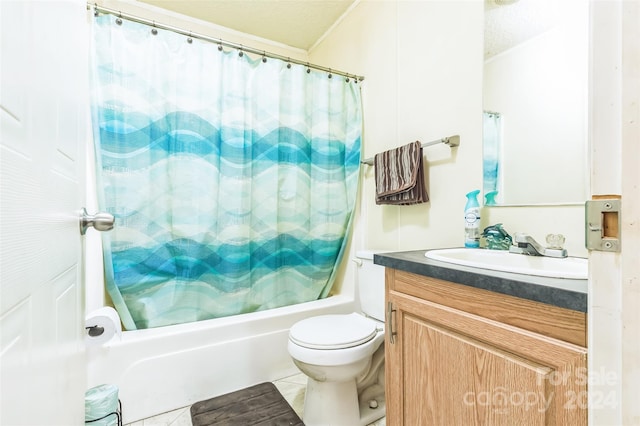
(411, 92)
(422, 62)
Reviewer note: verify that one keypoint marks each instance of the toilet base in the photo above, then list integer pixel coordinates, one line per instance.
(370, 414)
(336, 404)
(331, 403)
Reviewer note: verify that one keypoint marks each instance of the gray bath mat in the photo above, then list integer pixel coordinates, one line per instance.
(259, 405)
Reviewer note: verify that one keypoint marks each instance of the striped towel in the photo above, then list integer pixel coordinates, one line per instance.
(400, 176)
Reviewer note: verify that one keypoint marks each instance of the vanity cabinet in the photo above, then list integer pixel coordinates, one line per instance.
(458, 355)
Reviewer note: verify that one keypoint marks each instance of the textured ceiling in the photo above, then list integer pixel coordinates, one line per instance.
(511, 24)
(296, 23)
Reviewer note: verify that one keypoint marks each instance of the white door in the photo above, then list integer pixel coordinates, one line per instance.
(614, 278)
(43, 131)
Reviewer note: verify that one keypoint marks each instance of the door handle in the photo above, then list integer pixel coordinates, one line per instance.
(391, 335)
(100, 221)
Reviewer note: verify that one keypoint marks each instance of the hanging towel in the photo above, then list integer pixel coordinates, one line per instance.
(400, 176)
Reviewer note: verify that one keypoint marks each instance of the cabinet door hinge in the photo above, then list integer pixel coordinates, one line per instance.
(391, 333)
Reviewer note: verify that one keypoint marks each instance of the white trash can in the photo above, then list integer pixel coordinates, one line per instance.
(102, 406)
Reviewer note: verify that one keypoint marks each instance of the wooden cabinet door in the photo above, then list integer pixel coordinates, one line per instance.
(448, 367)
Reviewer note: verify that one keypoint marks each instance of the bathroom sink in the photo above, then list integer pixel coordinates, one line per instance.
(501, 260)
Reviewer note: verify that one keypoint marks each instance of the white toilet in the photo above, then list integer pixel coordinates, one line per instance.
(343, 357)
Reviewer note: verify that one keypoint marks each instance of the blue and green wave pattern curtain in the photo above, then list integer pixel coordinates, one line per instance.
(492, 153)
(232, 180)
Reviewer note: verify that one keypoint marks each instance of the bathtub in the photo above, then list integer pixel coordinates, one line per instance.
(166, 368)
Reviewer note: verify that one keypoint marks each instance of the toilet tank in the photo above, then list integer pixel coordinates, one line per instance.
(370, 285)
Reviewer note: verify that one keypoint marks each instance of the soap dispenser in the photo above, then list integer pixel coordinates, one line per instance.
(497, 237)
(472, 220)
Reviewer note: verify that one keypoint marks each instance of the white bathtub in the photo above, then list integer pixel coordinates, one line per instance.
(161, 369)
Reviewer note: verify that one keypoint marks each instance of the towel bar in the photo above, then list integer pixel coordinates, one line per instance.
(451, 141)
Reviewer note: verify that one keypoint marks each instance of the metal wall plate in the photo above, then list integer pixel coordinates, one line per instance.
(603, 225)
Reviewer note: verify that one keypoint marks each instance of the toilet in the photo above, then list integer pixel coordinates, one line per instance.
(343, 356)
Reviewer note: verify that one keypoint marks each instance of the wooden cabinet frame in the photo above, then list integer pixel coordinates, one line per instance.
(467, 356)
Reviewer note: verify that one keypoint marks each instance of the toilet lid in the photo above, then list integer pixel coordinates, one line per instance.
(333, 331)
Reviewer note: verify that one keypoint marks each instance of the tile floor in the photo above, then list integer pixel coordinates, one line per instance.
(292, 388)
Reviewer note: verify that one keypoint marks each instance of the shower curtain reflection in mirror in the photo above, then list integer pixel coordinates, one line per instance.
(492, 148)
(232, 180)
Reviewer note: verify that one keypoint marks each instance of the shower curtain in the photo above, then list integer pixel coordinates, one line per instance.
(232, 178)
(492, 148)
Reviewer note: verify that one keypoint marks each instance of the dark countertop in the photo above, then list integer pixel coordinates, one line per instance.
(564, 293)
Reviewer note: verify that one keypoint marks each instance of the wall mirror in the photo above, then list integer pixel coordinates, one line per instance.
(535, 148)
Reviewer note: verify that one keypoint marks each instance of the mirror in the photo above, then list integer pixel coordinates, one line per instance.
(535, 148)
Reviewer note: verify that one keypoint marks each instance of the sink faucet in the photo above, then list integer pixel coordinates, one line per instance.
(525, 244)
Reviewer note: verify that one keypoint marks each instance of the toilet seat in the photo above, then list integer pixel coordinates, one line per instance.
(333, 331)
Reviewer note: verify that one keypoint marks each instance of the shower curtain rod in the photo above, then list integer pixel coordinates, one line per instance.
(100, 9)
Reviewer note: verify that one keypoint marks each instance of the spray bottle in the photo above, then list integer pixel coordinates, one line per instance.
(472, 220)
(490, 198)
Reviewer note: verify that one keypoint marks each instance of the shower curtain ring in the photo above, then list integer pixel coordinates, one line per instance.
(264, 56)
(119, 18)
(288, 63)
(189, 39)
(240, 53)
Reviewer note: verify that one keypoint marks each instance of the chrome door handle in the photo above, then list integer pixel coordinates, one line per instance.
(100, 221)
